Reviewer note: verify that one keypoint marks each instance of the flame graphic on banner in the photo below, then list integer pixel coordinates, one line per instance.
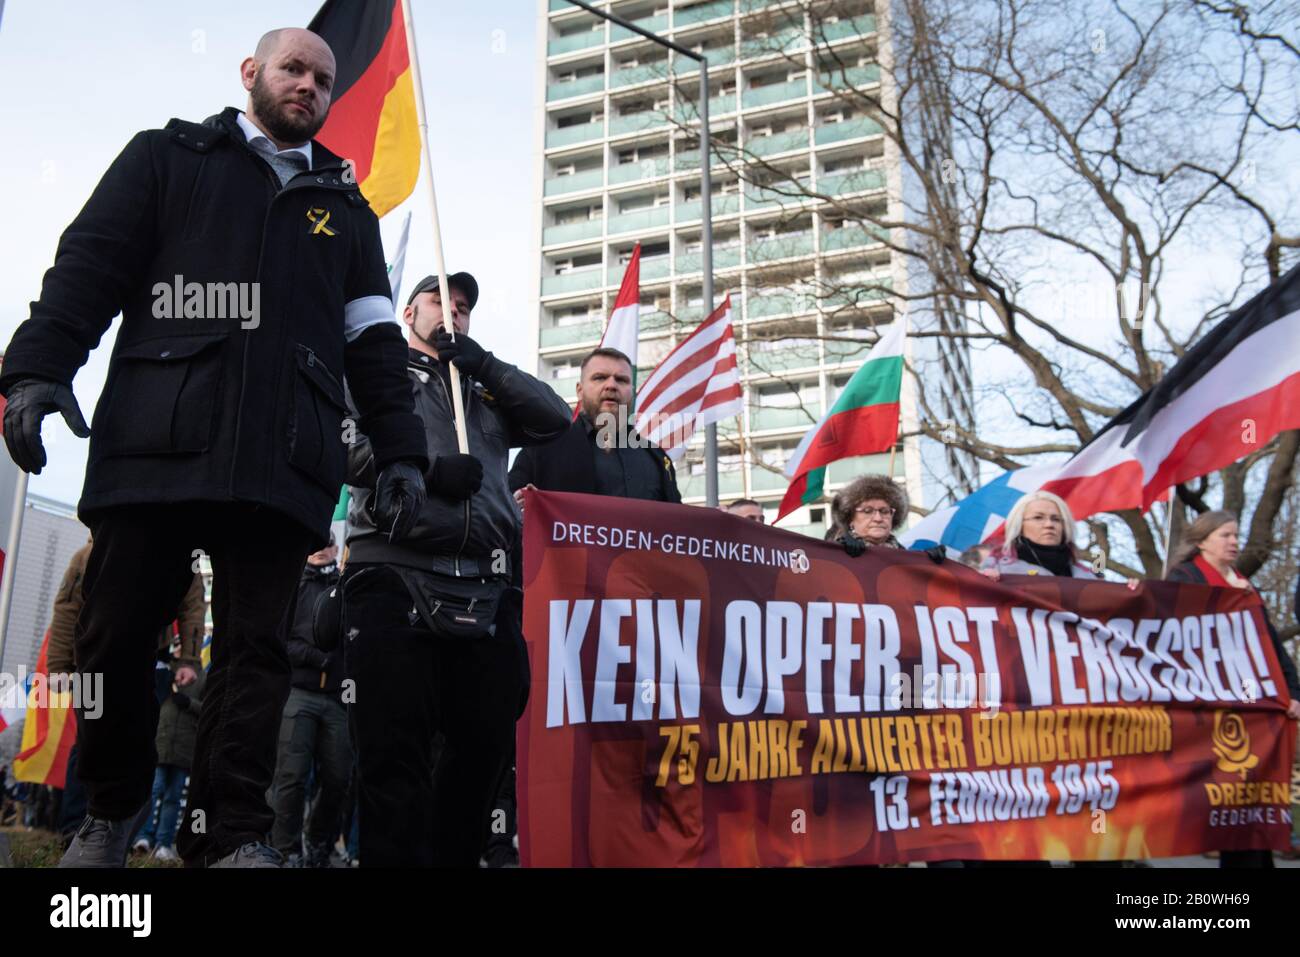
(1231, 743)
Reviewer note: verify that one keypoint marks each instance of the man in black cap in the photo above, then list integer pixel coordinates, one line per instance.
(420, 615)
(248, 271)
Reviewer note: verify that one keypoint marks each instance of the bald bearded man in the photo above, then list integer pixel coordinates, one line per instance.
(248, 270)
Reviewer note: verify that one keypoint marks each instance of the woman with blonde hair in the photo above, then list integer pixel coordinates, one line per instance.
(1039, 541)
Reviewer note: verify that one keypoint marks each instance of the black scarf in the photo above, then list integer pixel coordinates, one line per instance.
(1057, 559)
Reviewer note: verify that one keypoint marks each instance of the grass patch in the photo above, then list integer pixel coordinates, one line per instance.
(40, 848)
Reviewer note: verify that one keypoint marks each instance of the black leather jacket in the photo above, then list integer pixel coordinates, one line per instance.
(504, 408)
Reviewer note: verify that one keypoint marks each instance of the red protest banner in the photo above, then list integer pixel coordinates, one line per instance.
(711, 692)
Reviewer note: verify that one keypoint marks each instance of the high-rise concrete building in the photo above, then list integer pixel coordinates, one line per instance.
(50, 536)
(620, 164)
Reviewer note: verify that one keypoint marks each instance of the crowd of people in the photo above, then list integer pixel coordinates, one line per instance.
(355, 711)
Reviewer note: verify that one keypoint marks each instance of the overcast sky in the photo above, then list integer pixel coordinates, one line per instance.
(81, 78)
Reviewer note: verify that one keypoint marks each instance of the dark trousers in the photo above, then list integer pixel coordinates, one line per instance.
(140, 567)
(499, 846)
(72, 809)
(314, 729)
(412, 684)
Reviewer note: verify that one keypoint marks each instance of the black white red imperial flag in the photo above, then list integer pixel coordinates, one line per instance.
(372, 119)
(1231, 393)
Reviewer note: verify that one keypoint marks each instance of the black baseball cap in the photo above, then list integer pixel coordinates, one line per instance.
(462, 280)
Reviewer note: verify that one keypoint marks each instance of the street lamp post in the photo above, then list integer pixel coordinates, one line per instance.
(706, 202)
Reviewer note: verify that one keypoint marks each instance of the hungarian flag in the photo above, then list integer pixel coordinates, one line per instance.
(1229, 395)
(696, 385)
(623, 329)
(863, 420)
(48, 732)
(372, 119)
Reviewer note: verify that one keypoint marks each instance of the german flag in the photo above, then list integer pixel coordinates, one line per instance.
(372, 119)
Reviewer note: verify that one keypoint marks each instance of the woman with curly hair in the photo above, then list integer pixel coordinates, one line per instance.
(867, 511)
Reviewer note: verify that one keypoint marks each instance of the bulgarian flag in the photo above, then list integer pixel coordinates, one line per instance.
(863, 420)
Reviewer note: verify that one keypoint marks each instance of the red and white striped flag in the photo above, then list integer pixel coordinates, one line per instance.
(623, 331)
(696, 385)
(624, 326)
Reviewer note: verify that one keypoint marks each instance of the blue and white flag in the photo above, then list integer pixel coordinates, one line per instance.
(977, 516)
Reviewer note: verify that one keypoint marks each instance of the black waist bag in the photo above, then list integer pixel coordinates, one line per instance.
(327, 619)
(455, 607)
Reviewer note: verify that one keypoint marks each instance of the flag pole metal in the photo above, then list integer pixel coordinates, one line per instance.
(706, 211)
(444, 292)
(1169, 528)
(706, 241)
(10, 570)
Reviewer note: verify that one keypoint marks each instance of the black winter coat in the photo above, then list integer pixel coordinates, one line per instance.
(566, 465)
(178, 723)
(213, 409)
(1188, 572)
(311, 662)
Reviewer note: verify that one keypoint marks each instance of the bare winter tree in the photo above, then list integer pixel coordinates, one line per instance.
(1075, 192)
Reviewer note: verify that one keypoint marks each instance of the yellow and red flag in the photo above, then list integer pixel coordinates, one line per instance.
(49, 731)
(372, 119)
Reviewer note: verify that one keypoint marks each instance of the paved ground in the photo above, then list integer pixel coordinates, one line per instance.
(1202, 861)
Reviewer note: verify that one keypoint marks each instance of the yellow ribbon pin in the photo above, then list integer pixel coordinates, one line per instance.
(318, 224)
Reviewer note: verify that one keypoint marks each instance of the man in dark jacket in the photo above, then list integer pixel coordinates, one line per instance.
(419, 615)
(598, 454)
(248, 270)
(314, 729)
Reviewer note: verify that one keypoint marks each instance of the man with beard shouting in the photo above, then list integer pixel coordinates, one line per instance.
(248, 270)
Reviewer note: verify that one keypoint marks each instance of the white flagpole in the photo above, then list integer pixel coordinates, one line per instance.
(10, 570)
(458, 403)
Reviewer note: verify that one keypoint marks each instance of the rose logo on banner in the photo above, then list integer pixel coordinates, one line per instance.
(1231, 742)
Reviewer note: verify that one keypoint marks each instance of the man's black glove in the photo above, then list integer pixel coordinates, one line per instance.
(855, 546)
(181, 700)
(399, 495)
(456, 476)
(28, 402)
(937, 554)
(469, 355)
